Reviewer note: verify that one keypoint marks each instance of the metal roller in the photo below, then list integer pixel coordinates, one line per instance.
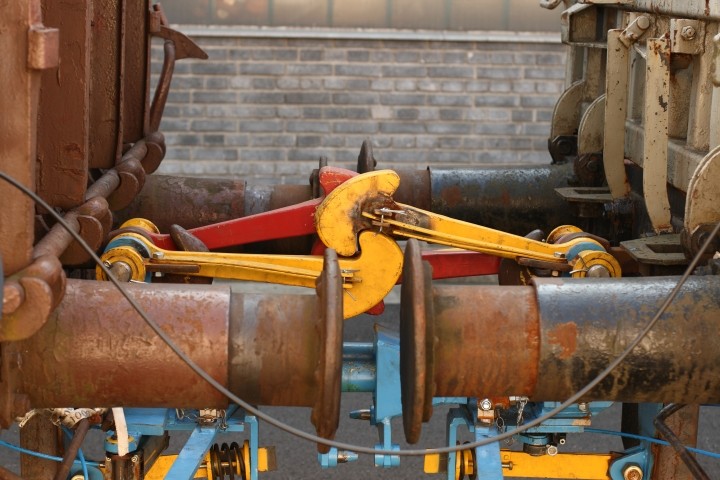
(268, 349)
(549, 340)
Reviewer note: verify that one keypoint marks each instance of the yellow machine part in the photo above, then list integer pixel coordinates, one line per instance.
(520, 464)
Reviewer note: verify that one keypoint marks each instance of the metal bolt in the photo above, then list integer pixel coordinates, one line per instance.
(135, 459)
(643, 22)
(158, 255)
(583, 407)
(552, 450)
(345, 456)
(598, 271)
(363, 414)
(633, 472)
(486, 404)
(688, 32)
(559, 255)
(562, 441)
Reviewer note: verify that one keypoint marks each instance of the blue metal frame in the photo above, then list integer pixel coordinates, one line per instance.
(156, 421)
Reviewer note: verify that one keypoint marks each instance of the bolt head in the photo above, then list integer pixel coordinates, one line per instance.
(633, 472)
(486, 404)
(135, 459)
(583, 407)
(598, 271)
(552, 450)
(688, 32)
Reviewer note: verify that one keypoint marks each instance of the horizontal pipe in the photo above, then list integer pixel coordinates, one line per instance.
(550, 340)
(96, 350)
(359, 376)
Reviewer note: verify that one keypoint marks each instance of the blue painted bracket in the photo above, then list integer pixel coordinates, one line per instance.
(488, 463)
(641, 455)
(155, 421)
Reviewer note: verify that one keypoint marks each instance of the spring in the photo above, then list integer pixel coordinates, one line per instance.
(227, 461)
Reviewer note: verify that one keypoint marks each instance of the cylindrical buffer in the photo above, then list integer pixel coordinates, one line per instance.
(548, 341)
(587, 323)
(279, 350)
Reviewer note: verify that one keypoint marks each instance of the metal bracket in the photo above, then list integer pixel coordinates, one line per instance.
(687, 36)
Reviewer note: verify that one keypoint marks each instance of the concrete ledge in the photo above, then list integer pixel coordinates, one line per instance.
(368, 34)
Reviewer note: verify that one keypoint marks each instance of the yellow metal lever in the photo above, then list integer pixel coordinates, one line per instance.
(367, 276)
(365, 202)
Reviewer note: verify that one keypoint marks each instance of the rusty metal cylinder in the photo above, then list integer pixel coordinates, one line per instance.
(587, 323)
(96, 350)
(550, 340)
(194, 202)
(515, 199)
(275, 348)
(488, 340)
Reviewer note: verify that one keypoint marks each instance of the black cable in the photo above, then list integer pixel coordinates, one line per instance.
(346, 446)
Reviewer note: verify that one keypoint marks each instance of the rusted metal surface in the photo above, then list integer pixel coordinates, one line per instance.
(414, 188)
(513, 200)
(163, 87)
(135, 81)
(273, 354)
(328, 376)
(107, 67)
(655, 163)
(586, 324)
(63, 128)
(39, 435)
(103, 353)
(684, 424)
(442, 327)
(71, 452)
(188, 202)
(37, 290)
(196, 202)
(18, 101)
(416, 343)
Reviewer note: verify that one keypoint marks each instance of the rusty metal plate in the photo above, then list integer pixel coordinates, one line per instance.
(658, 250)
(416, 342)
(105, 86)
(585, 194)
(18, 102)
(136, 76)
(63, 129)
(326, 411)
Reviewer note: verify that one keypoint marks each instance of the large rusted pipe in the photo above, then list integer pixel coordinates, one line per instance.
(549, 340)
(516, 199)
(269, 349)
(194, 202)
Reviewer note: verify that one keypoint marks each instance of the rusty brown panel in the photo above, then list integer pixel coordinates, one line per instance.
(18, 104)
(136, 78)
(105, 84)
(39, 435)
(668, 464)
(103, 353)
(64, 102)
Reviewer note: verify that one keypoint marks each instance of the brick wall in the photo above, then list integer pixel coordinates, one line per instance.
(268, 108)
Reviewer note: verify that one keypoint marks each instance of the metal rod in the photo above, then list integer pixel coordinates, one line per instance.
(80, 431)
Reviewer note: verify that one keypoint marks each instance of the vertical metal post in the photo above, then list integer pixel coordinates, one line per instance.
(657, 100)
(615, 114)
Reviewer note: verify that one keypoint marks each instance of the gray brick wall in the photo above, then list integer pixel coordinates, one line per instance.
(268, 108)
